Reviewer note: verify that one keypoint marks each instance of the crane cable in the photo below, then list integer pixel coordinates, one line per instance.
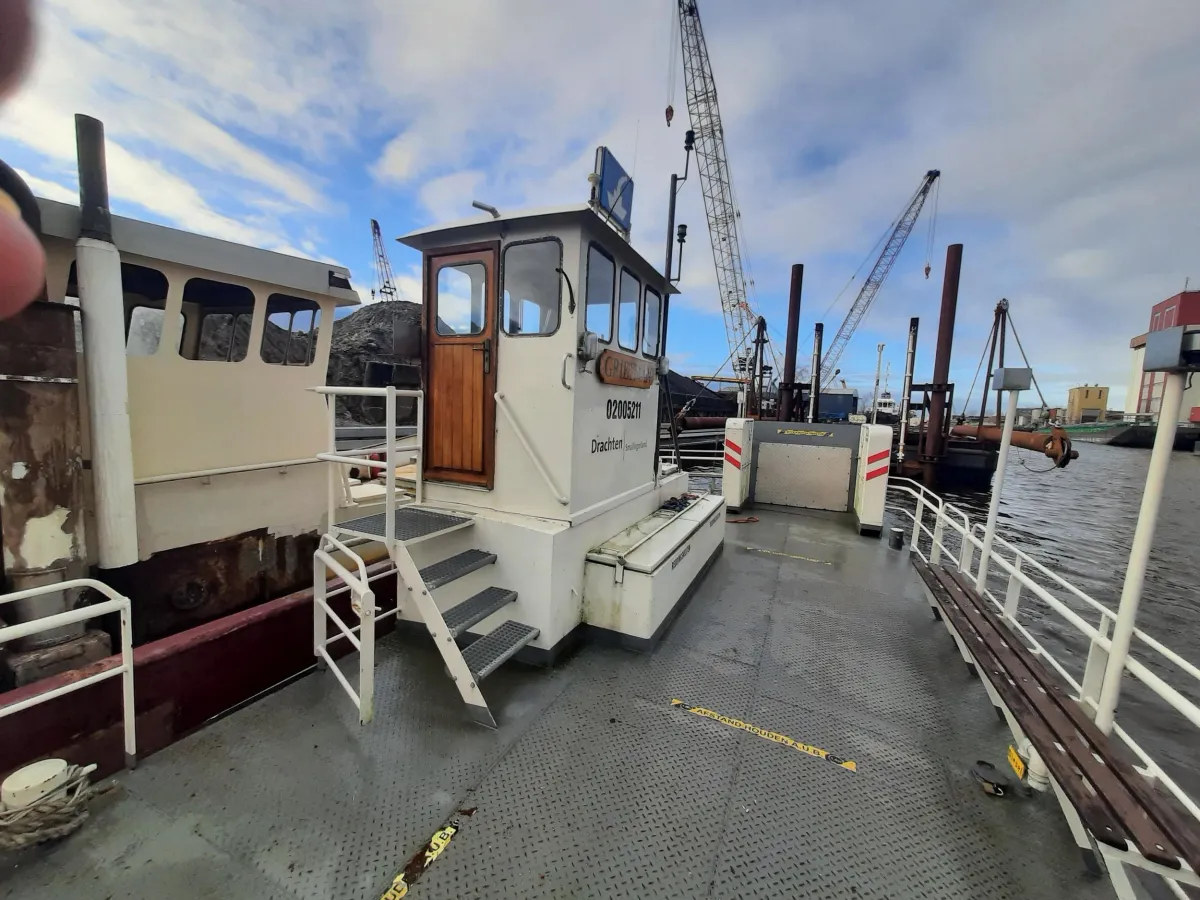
(672, 67)
(937, 193)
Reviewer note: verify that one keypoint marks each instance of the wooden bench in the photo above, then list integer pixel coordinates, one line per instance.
(1108, 804)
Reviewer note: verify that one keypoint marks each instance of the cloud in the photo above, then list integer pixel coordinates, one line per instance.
(51, 190)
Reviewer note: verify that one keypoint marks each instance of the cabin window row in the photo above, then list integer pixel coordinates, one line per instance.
(215, 319)
(638, 311)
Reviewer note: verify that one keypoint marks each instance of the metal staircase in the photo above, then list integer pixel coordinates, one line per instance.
(398, 527)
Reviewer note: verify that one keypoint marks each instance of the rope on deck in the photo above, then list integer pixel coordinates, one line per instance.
(48, 818)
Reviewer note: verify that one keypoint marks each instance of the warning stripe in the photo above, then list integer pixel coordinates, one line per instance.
(732, 446)
(732, 461)
(876, 457)
(882, 470)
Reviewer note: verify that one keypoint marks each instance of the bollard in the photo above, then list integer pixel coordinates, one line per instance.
(896, 539)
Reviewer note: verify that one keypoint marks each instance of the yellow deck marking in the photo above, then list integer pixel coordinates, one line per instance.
(769, 735)
(790, 555)
(1014, 760)
(437, 843)
(804, 431)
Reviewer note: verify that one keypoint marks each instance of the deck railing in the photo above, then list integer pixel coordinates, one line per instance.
(954, 536)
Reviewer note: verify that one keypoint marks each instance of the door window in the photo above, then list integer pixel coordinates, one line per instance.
(627, 311)
(461, 298)
(601, 277)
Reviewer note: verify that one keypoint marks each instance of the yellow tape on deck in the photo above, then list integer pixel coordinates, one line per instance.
(768, 735)
(439, 842)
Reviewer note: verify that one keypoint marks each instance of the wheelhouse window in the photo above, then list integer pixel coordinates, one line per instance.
(532, 288)
(601, 278)
(461, 298)
(627, 311)
(651, 318)
(290, 332)
(217, 316)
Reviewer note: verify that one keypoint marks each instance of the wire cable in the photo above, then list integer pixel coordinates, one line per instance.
(1041, 396)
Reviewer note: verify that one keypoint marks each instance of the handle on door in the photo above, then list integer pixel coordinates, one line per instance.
(486, 350)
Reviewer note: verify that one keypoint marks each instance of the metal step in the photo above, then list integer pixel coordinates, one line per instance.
(413, 523)
(486, 654)
(477, 608)
(447, 570)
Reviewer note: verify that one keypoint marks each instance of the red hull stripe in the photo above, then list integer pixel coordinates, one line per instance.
(733, 462)
(882, 470)
(876, 457)
(732, 446)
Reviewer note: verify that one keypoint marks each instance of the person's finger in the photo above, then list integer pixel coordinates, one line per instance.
(16, 42)
(22, 261)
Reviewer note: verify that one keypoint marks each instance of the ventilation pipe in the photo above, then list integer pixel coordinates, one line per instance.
(787, 385)
(101, 300)
(814, 394)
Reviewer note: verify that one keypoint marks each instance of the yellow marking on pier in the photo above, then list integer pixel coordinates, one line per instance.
(823, 562)
(773, 736)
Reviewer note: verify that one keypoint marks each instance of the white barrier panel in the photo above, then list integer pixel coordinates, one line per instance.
(871, 480)
(735, 475)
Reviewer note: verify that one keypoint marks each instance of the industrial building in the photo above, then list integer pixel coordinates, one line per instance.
(1144, 394)
(1086, 403)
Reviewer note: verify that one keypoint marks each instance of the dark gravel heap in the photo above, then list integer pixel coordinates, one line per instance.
(363, 336)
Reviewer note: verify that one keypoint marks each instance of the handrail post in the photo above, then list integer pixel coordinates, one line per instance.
(989, 532)
(939, 529)
(420, 479)
(331, 472)
(1093, 672)
(129, 711)
(389, 477)
(920, 515)
(966, 555)
(1139, 553)
(1012, 597)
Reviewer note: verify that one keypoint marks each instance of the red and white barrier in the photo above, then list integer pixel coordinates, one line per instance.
(735, 474)
(871, 480)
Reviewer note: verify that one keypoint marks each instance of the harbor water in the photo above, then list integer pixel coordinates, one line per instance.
(1079, 523)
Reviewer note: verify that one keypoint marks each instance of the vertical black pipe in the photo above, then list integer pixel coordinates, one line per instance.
(910, 361)
(934, 444)
(814, 391)
(787, 385)
(95, 219)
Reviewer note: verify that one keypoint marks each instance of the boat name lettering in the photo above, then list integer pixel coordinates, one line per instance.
(628, 371)
(677, 560)
(623, 409)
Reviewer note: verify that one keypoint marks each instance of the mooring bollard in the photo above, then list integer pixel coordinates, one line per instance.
(896, 538)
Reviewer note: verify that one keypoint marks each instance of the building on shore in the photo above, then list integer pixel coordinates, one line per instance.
(1086, 403)
(1143, 398)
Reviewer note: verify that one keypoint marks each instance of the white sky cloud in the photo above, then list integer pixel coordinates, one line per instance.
(1065, 133)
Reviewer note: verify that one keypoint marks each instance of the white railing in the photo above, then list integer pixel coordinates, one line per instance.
(1026, 574)
(697, 459)
(361, 636)
(117, 603)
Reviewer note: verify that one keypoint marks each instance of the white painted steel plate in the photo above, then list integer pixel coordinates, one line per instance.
(803, 476)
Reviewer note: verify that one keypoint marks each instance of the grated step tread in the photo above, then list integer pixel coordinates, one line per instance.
(477, 608)
(486, 655)
(447, 570)
(411, 523)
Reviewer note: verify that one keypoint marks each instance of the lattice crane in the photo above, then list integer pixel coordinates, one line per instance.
(716, 184)
(883, 265)
(385, 282)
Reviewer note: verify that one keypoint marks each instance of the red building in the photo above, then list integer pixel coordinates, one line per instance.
(1145, 388)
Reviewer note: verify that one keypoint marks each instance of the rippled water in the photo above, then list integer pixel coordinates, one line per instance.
(1079, 522)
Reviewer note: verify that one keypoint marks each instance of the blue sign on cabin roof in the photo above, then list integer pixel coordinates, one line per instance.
(613, 192)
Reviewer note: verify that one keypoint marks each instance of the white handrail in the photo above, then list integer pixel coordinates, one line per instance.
(225, 470)
(541, 467)
(117, 603)
(1017, 564)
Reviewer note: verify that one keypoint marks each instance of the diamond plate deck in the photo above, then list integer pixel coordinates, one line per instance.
(594, 786)
(447, 570)
(411, 523)
(477, 608)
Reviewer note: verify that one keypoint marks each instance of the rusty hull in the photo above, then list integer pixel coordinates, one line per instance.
(1056, 445)
(186, 586)
(40, 449)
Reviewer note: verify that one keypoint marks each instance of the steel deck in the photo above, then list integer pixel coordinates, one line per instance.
(594, 785)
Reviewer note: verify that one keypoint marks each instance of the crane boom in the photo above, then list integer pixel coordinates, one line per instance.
(883, 265)
(385, 282)
(715, 182)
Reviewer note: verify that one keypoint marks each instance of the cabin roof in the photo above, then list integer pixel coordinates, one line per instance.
(160, 242)
(484, 225)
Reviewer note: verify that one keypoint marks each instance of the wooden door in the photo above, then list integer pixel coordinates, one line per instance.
(460, 364)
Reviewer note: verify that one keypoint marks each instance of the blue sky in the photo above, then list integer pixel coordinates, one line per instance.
(1066, 134)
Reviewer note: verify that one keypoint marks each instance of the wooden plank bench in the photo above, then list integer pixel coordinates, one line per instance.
(1108, 804)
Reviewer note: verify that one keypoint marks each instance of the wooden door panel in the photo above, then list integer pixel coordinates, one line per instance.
(460, 373)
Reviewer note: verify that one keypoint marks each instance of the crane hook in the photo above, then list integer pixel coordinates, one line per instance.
(670, 115)
(928, 268)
